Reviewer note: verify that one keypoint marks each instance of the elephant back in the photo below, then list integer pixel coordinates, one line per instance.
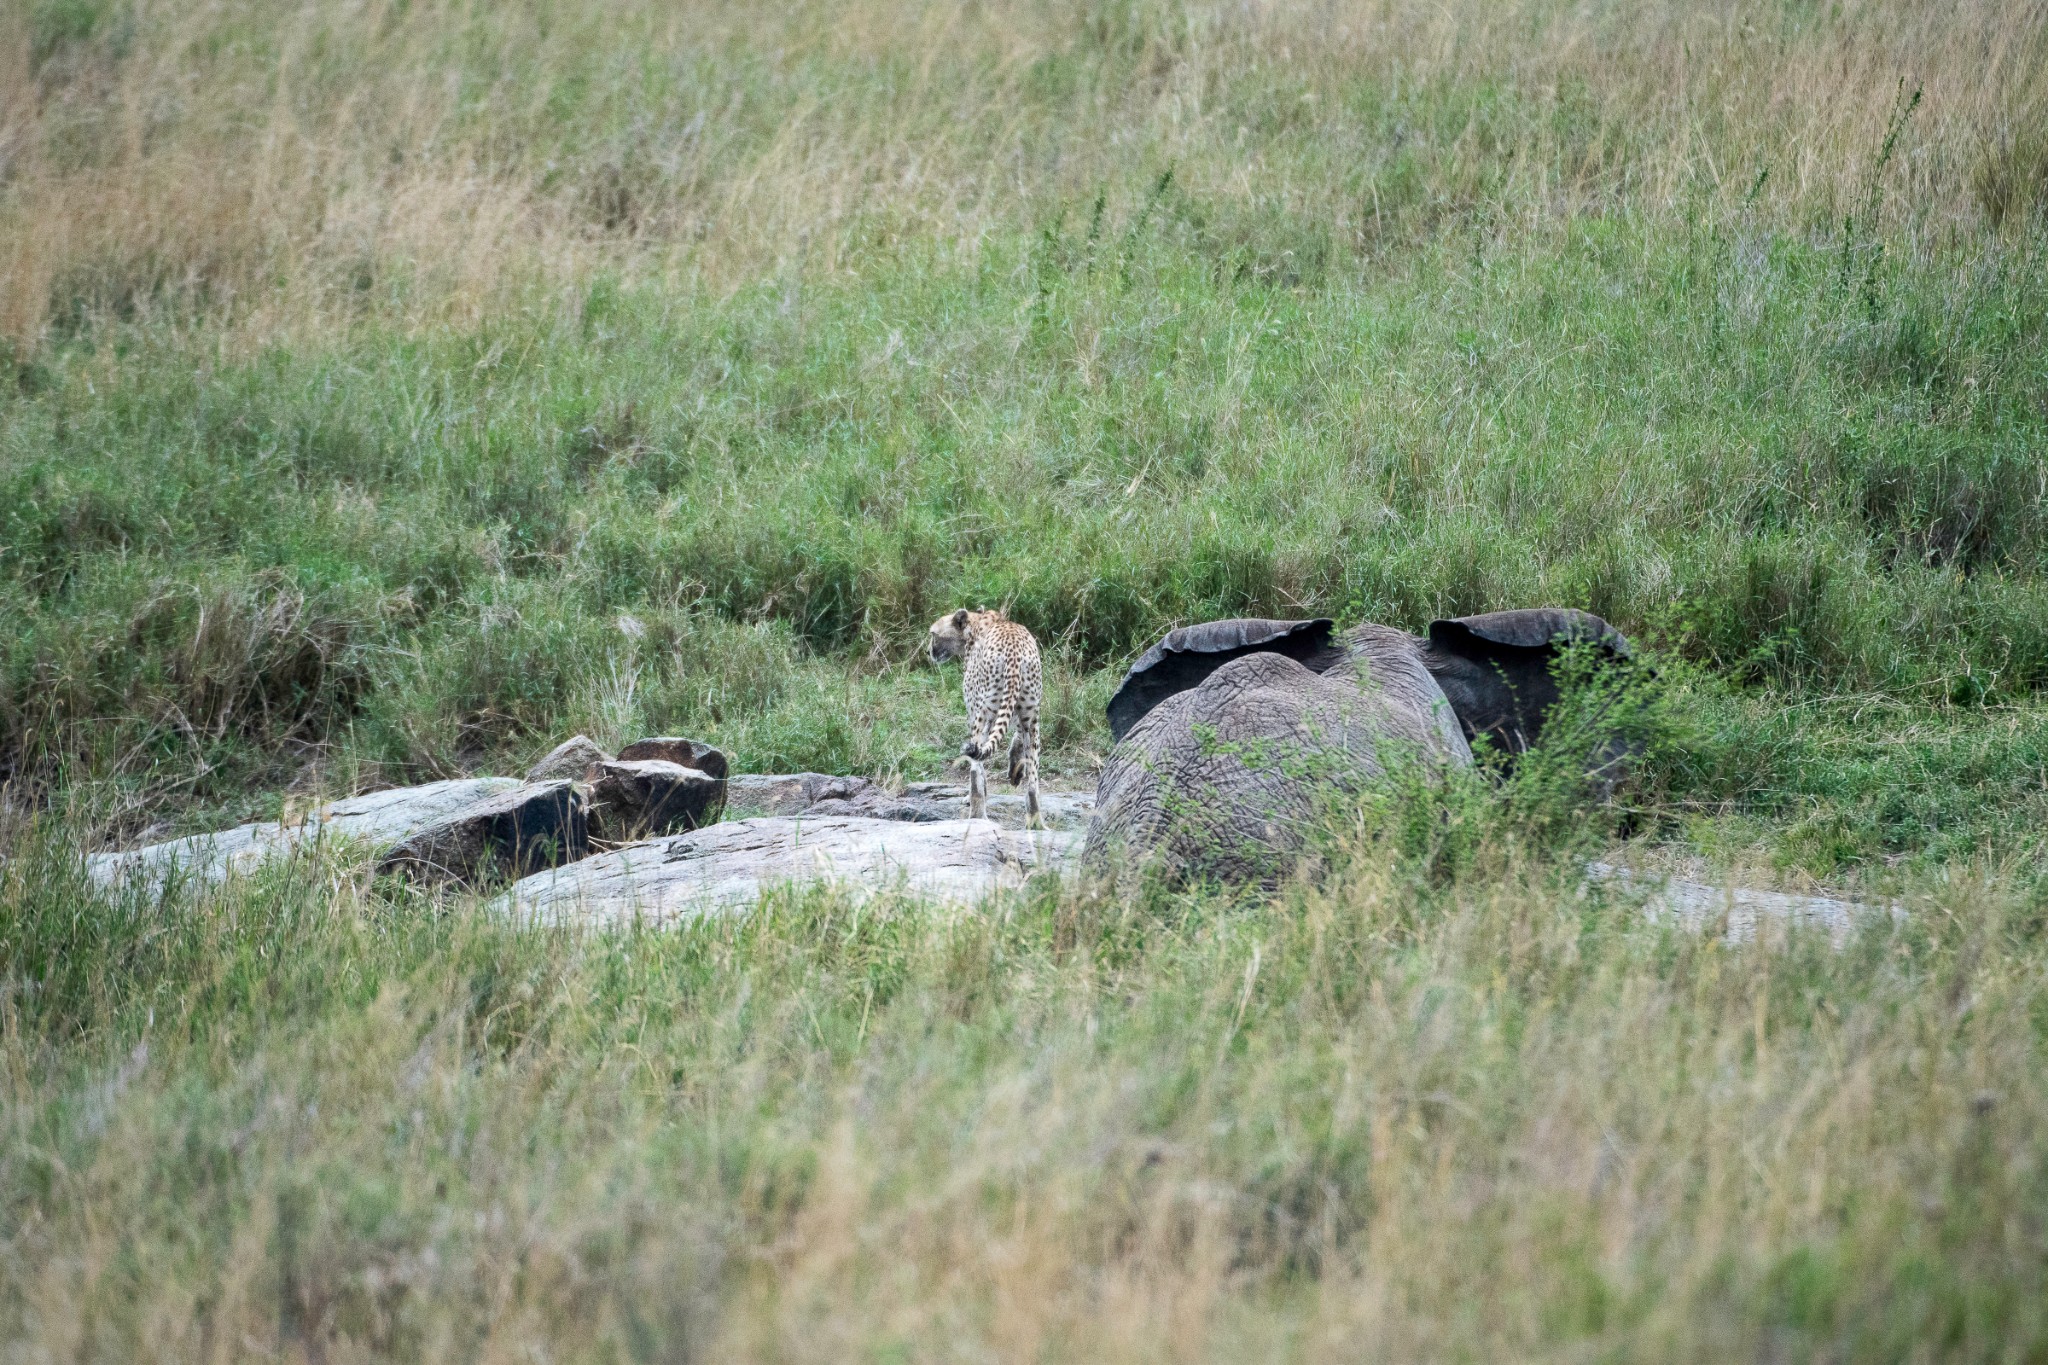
(1390, 664)
(1225, 779)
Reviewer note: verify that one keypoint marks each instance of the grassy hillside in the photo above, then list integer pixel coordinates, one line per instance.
(390, 390)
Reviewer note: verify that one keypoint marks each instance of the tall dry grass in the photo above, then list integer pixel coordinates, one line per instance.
(289, 167)
(1376, 1119)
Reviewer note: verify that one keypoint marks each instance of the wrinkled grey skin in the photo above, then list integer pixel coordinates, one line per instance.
(1225, 778)
(1228, 749)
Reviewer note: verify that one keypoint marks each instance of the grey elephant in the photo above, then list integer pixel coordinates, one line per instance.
(1232, 734)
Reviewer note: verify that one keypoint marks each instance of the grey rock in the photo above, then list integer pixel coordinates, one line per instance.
(379, 819)
(790, 793)
(822, 795)
(689, 753)
(723, 869)
(882, 806)
(948, 801)
(572, 759)
(1738, 911)
(632, 800)
(534, 826)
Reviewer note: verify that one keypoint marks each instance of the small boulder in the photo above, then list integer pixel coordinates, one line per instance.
(690, 753)
(640, 799)
(526, 830)
(572, 759)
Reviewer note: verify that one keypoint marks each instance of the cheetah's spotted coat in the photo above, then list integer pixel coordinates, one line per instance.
(1004, 688)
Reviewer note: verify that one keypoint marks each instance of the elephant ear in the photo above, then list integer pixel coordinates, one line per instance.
(1535, 628)
(1495, 669)
(1188, 655)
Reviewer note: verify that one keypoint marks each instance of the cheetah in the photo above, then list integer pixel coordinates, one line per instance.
(1003, 687)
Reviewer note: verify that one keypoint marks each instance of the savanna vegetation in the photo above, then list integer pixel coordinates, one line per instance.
(388, 390)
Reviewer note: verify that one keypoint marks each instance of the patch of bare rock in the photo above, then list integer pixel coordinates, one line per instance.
(572, 758)
(581, 804)
(727, 868)
(687, 753)
(820, 794)
(466, 832)
(645, 798)
(381, 820)
(1738, 912)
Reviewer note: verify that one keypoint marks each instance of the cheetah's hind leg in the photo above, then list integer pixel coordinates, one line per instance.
(1020, 750)
(1026, 768)
(977, 789)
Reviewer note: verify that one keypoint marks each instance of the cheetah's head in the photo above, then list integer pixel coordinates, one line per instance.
(951, 635)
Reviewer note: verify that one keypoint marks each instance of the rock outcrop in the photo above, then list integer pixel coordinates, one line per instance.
(469, 830)
(726, 868)
(633, 800)
(1061, 810)
(533, 826)
(822, 795)
(749, 794)
(1739, 912)
(379, 820)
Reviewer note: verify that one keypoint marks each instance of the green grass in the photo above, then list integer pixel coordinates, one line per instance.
(1466, 1119)
(389, 393)
(411, 556)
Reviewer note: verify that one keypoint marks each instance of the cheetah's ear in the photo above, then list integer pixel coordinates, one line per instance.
(960, 619)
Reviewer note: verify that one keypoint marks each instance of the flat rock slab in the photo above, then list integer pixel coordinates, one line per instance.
(791, 793)
(380, 819)
(1059, 809)
(725, 868)
(822, 795)
(535, 825)
(1743, 910)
